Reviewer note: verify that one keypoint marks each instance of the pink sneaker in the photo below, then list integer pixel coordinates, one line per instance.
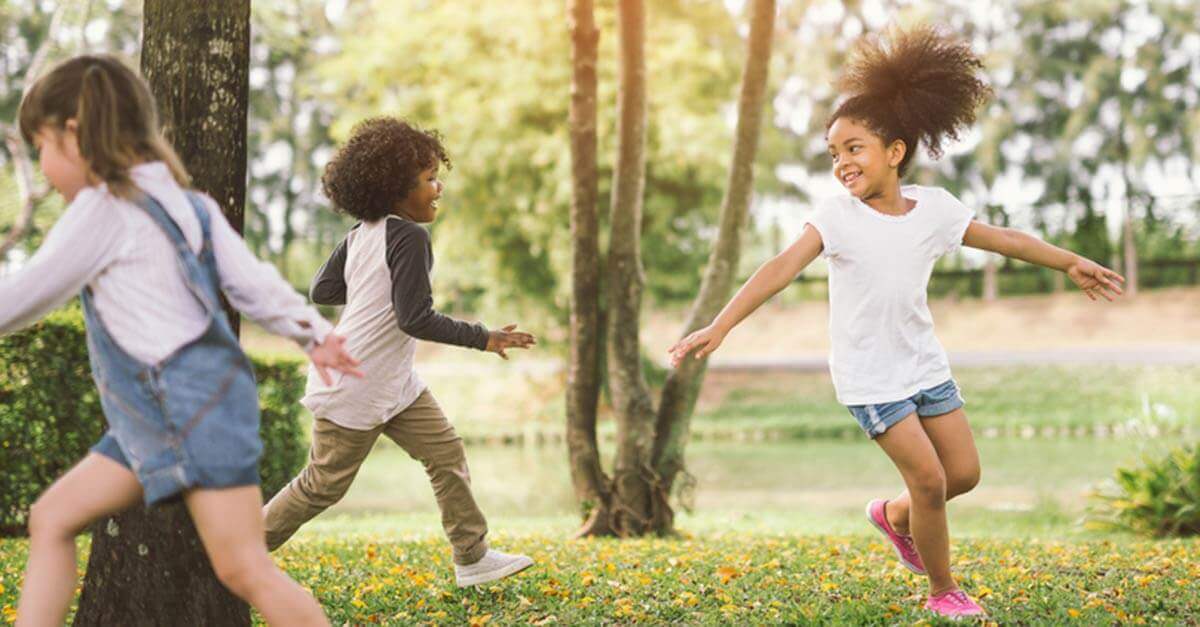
(954, 604)
(905, 549)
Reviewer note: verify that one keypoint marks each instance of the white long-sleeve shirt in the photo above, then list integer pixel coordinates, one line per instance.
(116, 248)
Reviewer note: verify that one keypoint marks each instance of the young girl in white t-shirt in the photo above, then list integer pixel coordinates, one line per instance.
(881, 242)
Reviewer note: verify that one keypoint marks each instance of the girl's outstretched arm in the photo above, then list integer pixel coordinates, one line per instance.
(770, 278)
(84, 242)
(1091, 277)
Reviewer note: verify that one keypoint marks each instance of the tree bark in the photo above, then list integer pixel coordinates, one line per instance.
(633, 477)
(583, 373)
(148, 566)
(196, 57)
(683, 384)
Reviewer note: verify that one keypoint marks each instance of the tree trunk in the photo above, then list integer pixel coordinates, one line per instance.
(633, 477)
(148, 566)
(991, 288)
(683, 384)
(991, 278)
(196, 57)
(583, 373)
(1129, 246)
(1131, 262)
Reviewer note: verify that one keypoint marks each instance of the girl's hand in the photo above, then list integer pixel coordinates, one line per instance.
(332, 354)
(508, 337)
(1094, 279)
(703, 341)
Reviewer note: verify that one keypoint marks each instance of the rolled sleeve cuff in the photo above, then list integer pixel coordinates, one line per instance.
(317, 331)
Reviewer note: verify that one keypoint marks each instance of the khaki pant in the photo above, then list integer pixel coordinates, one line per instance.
(337, 452)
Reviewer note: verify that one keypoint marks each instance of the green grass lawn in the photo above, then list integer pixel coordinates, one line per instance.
(1001, 400)
(722, 577)
(490, 401)
(778, 535)
(1029, 487)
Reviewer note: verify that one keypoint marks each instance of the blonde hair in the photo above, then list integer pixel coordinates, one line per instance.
(115, 114)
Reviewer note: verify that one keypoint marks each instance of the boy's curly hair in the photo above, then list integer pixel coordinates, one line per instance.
(378, 166)
(917, 85)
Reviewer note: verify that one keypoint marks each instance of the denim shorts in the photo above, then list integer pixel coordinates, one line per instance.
(935, 401)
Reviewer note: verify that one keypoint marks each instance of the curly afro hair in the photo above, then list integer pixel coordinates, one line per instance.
(917, 85)
(378, 167)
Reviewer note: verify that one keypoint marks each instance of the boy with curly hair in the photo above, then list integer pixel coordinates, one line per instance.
(386, 176)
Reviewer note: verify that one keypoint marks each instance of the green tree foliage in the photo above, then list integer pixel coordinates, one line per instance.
(494, 79)
(289, 138)
(1090, 97)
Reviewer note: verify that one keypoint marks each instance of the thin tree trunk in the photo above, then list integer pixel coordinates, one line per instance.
(683, 383)
(991, 278)
(991, 287)
(29, 193)
(148, 567)
(1131, 262)
(1129, 247)
(633, 477)
(583, 373)
(290, 197)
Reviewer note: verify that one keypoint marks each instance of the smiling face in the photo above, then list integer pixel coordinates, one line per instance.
(861, 162)
(421, 203)
(58, 156)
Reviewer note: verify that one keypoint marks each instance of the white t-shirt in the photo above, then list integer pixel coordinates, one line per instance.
(883, 345)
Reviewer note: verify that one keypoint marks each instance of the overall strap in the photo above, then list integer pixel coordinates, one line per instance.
(190, 264)
(202, 215)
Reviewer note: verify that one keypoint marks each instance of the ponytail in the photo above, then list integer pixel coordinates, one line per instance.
(115, 116)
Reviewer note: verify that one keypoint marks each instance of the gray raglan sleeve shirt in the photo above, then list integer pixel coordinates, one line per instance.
(410, 260)
(329, 286)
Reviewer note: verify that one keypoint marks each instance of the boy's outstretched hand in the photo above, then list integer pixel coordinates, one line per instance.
(703, 341)
(508, 337)
(332, 354)
(1094, 279)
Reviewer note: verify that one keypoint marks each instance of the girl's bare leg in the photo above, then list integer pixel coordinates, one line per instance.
(230, 524)
(955, 445)
(912, 452)
(97, 486)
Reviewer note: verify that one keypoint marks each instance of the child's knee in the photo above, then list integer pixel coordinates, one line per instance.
(50, 521)
(928, 486)
(963, 481)
(322, 488)
(446, 455)
(244, 573)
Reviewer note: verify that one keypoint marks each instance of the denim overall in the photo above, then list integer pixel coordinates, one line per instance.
(190, 420)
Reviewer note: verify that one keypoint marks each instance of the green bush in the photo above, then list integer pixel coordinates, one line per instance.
(50, 413)
(1159, 498)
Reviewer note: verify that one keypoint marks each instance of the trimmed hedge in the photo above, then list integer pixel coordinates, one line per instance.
(50, 413)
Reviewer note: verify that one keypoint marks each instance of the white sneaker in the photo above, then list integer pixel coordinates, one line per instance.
(494, 565)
